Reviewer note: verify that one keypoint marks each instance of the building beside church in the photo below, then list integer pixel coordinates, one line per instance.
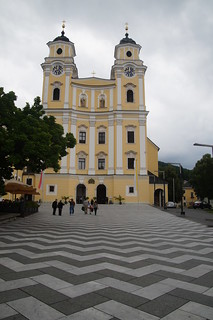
(108, 117)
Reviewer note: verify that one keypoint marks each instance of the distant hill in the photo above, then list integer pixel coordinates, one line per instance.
(186, 172)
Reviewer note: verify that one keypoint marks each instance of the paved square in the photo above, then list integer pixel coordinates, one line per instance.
(129, 262)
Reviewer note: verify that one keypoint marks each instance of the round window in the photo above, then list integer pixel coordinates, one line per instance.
(129, 53)
(59, 51)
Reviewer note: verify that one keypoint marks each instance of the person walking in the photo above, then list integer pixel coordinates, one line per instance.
(95, 206)
(72, 206)
(91, 206)
(54, 206)
(60, 207)
(85, 204)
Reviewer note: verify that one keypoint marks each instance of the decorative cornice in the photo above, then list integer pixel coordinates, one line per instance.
(101, 154)
(129, 84)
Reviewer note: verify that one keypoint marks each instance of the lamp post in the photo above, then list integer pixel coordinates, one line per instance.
(204, 145)
(181, 179)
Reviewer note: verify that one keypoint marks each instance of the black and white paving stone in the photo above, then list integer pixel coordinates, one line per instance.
(129, 262)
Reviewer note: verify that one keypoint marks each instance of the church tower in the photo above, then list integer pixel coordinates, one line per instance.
(59, 67)
(129, 71)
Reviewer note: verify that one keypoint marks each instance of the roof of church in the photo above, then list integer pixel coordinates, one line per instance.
(127, 39)
(62, 37)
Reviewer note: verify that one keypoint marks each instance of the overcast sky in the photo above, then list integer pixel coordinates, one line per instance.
(177, 47)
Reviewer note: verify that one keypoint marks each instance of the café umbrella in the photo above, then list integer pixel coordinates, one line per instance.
(17, 187)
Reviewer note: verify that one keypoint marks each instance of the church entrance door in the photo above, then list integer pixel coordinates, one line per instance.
(80, 193)
(101, 194)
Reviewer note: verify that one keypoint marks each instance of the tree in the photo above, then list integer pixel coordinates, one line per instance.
(202, 177)
(7, 111)
(172, 175)
(29, 138)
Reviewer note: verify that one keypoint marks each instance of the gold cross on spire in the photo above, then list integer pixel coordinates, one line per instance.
(126, 26)
(93, 73)
(63, 24)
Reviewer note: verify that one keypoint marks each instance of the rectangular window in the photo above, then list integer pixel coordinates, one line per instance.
(51, 188)
(131, 189)
(82, 137)
(192, 195)
(101, 137)
(29, 181)
(101, 164)
(81, 163)
(131, 163)
(130, 137)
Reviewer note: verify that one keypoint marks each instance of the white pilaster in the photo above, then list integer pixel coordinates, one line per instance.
(93, 100)
(111, 100)
(72, 169)
(111, 146)
(141, 92)
(91, 170)
(64, 159)
(74, 98)
(119, 142)
(46, 85)
(142, 130)
(119, 91)
(66, 98)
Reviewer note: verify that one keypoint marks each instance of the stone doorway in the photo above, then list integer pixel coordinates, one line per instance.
(80, 193)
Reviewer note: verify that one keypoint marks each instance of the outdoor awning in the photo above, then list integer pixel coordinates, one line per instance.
(17, 187)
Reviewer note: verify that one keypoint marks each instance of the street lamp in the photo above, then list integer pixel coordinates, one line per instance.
(204, 145)
(181, 178)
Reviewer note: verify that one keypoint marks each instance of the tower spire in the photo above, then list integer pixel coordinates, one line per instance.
(126, 28)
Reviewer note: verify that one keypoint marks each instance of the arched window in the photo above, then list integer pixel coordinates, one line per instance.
(130, 96)
(56, 94)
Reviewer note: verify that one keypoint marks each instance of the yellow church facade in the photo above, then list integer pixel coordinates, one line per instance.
(113, 155)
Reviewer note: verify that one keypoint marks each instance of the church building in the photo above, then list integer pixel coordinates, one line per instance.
(108, 117)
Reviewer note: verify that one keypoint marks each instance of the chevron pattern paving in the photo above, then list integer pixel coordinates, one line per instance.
(129, 262)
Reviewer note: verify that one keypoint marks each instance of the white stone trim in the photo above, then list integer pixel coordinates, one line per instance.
(48, 193)
(64, 159)
(118, 93)
(92, 100)
(111, 146)
(74, 98)
(72, 167)
(141, 93)
(111, 100)
(134, 194)
(142, 130)
(46, 85)
(119, 142)
(66, 97)
(91, 169)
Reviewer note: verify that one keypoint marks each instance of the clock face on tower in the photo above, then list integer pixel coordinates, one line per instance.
(57, 69)
(129, 71)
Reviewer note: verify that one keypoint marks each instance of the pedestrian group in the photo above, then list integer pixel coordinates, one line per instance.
(88, 206)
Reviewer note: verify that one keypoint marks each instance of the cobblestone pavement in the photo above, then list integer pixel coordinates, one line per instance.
(129, 262)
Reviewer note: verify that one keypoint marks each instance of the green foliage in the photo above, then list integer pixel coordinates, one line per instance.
(202, 177)
(119, 198)
(172, 172)
(65, 199)
(29, 138)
